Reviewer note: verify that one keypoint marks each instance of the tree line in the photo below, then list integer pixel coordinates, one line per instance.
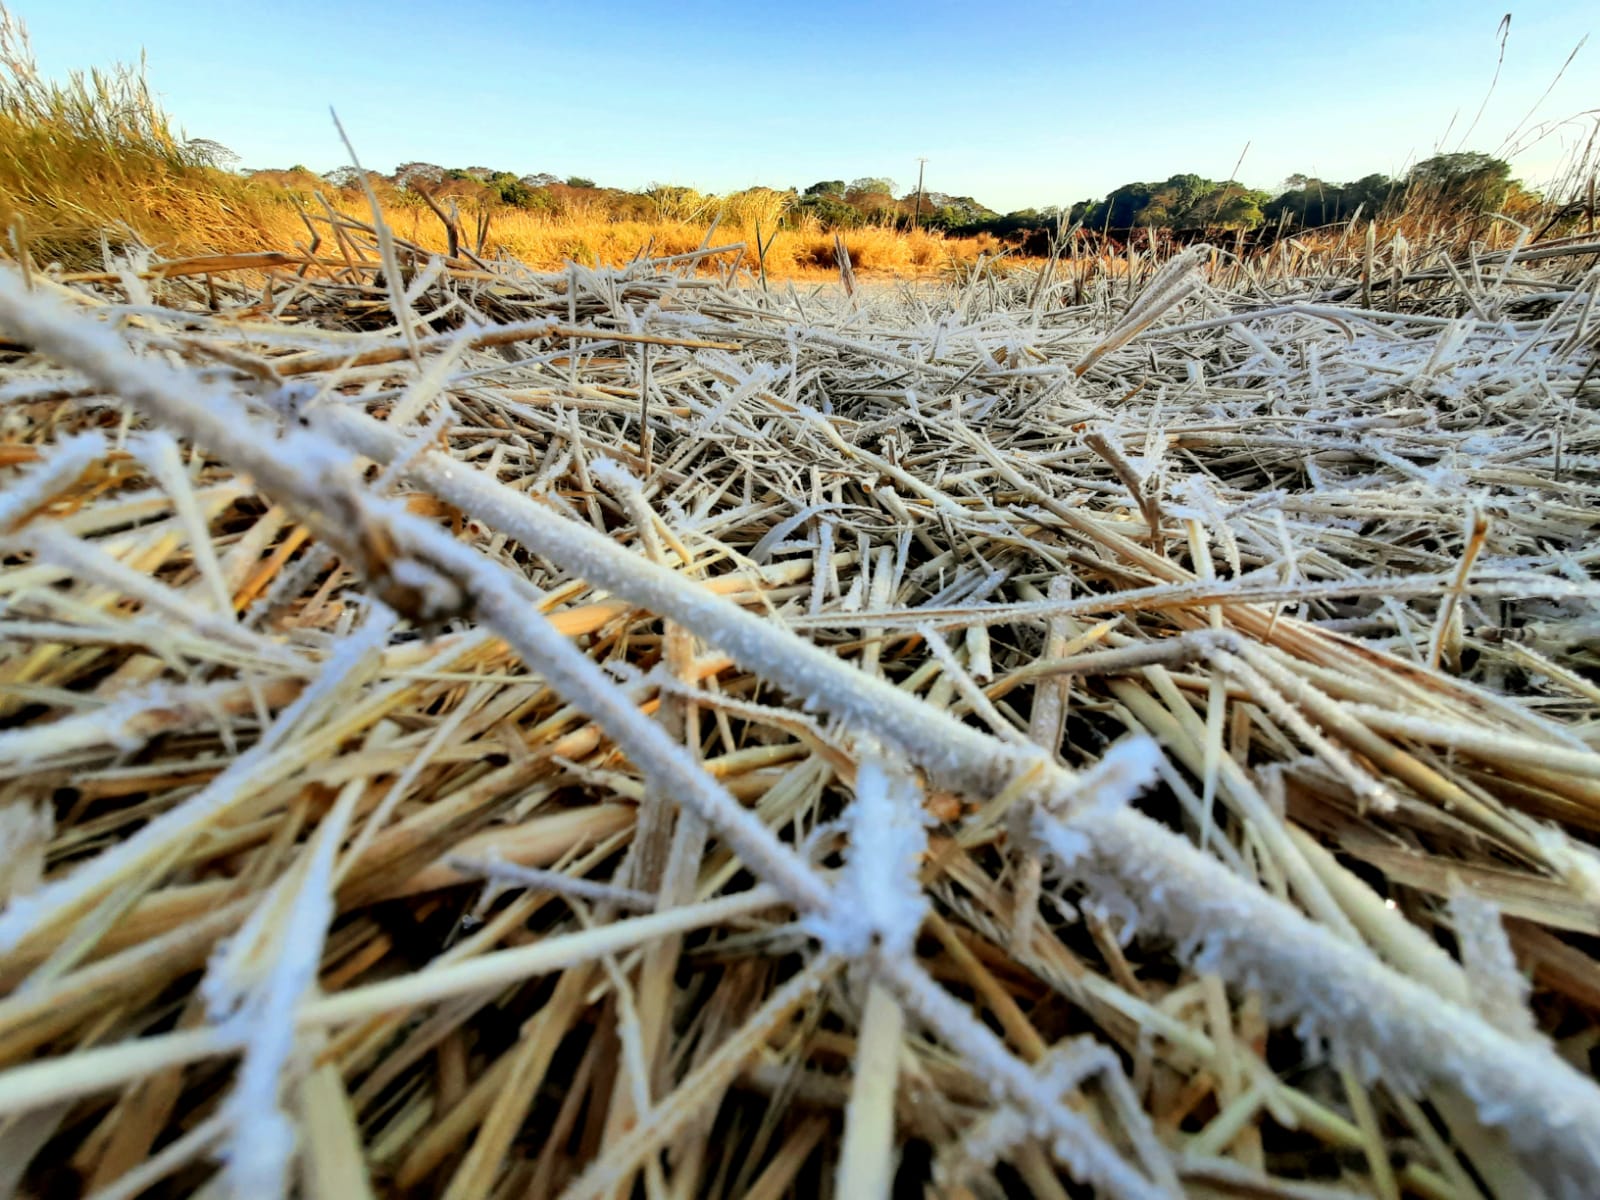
(1462, 183)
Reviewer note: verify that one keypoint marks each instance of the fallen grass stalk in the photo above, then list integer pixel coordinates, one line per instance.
(1395, 1027)
(29, 1087)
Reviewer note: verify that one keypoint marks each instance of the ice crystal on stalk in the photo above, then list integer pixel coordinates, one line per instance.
(1499, 990)
(1126, 770)
(878, 901)
(1334, 990)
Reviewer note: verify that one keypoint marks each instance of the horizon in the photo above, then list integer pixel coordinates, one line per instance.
(645, 125)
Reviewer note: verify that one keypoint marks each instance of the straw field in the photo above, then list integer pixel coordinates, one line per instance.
(1121, 730)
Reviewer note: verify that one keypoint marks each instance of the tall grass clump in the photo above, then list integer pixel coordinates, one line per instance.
(95, 157)
(753, 207)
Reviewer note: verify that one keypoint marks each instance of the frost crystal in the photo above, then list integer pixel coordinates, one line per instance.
(609, 473)
(1337, 992)
(1126, 770)
(879, 900)
(1499, 990)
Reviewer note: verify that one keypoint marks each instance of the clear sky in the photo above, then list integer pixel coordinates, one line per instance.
(1017, 104)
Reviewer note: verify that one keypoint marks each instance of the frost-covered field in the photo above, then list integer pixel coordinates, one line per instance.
(565, 735)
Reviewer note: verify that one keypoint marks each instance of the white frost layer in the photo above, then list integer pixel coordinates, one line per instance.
(878, 900)
(1394, 1027)
(1500, 991)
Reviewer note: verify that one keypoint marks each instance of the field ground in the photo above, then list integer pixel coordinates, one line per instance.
(1130, 727)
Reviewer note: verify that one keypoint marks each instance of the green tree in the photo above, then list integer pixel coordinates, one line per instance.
(1468, 181)
(1377, 193)
(1188, 190)
(1231, 206)
(510, 189)
(1308, 202)
(1189, 201)
(829, 210)
(1164, 210)
(943, 211)
(1122, 207)
(827, 187)
(869, 185)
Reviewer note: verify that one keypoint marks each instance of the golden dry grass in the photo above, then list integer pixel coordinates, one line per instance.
(545, 241)
(93, 162)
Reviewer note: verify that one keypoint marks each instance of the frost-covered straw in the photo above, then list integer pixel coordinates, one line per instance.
(440, 576)
(953, 753)
(1396, 1028)
(67, 894)
(1173, 284)
(1066, 1067)
(433, 577)
(1140, 848)
(1170, 875)
(58, 471)
(1071, 1138)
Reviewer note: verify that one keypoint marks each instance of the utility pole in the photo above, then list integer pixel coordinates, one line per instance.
(916, 219)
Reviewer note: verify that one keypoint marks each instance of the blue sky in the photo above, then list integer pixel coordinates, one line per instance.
(1016, 104)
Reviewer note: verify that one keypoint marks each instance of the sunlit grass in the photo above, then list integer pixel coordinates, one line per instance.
(94, 160)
